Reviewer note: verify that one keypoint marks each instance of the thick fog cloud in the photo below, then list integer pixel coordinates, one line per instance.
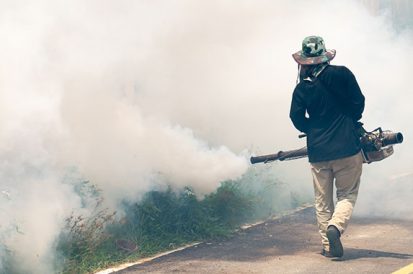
(130, 94)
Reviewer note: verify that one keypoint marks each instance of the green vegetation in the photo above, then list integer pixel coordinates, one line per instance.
(164, 220)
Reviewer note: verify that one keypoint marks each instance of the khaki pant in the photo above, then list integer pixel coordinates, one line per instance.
(346, 172)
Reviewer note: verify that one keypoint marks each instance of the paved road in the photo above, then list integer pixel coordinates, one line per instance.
(291, 245)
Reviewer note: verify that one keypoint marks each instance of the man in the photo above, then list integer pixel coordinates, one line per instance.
(326, 105)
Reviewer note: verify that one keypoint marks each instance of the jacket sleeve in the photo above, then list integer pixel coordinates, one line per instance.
(298, 111)
(355, 106)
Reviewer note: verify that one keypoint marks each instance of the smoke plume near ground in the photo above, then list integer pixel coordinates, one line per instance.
(137, 93)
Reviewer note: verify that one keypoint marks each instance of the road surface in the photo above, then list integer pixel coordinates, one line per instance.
(291, 244)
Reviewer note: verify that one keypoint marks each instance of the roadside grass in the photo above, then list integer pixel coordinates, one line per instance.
(165, 220)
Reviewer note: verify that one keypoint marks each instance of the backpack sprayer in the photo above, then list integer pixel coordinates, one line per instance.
(376, 145)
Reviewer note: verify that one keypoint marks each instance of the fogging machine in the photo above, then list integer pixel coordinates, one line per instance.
(376, 145)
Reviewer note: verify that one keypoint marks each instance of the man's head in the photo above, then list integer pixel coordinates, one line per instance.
(313, 52)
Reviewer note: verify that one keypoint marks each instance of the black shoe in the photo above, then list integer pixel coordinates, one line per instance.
(326, 253)
(333, 235)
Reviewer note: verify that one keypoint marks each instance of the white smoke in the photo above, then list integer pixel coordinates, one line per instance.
(129, 93)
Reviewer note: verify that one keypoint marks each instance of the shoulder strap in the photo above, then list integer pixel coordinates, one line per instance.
(331, 94)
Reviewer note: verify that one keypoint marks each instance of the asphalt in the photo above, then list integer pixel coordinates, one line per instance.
(291, 244)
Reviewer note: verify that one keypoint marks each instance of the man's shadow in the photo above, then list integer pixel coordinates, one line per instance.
(356, 253)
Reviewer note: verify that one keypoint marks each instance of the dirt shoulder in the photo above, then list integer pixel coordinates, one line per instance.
(291, 244)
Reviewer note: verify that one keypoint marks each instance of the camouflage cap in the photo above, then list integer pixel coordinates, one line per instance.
(313, 52)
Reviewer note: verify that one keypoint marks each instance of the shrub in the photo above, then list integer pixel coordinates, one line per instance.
(166, 219)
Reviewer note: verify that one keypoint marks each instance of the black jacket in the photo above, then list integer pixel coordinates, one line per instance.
(327, 109)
